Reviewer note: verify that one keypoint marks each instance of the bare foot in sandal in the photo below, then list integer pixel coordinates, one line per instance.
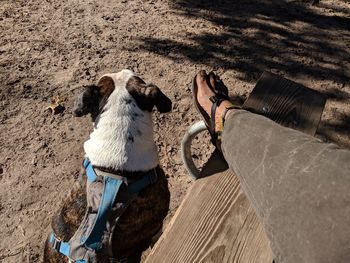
(206, 85)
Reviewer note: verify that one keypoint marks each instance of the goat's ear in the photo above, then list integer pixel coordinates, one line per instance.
(159, 99)
(87, 101)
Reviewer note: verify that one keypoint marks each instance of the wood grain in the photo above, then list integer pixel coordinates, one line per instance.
(214, 223)
(287, 103)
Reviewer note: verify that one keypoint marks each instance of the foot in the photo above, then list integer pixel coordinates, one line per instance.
(207, 84)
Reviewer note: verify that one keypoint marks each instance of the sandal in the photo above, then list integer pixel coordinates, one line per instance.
(220, 95)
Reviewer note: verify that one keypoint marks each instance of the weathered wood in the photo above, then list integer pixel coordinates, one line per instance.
(214, 223)
(286, 102)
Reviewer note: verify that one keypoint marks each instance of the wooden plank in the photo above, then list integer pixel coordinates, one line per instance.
(214, 223)
(286, 102)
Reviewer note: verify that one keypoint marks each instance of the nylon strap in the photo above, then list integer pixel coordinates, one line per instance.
(148, 179)
(111, 188)
(60, 246)
(90, 173)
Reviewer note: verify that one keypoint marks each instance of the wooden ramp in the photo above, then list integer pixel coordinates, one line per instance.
(214, 223)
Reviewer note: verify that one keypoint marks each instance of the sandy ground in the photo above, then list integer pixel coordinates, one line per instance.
(51, 48)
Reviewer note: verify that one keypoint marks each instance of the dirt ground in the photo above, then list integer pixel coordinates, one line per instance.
(51, 48)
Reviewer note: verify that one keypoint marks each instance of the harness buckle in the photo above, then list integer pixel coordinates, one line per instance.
(56, 244)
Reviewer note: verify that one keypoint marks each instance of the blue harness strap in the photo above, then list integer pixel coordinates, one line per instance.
(60, 246)
(148, 179)
(90, 172)
(110, 190)
(93, 238)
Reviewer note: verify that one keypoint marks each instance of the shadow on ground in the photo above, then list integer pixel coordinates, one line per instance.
(257, 35)
(287, 37)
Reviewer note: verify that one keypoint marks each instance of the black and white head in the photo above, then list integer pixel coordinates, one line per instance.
(94, 97)
(120, 106)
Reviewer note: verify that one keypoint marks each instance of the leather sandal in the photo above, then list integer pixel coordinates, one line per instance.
(219, 96)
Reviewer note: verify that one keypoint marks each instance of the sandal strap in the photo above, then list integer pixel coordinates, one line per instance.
(222, 95)
(216, 100)
(223, 119)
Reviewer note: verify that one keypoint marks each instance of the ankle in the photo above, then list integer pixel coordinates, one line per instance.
(223, 111)
(228, 113)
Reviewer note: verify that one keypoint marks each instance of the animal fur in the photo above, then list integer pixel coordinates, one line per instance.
(123, 135)
(122, 140)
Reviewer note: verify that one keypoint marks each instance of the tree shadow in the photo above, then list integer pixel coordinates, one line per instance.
(336, 95)
(336, 130)
(286, 37)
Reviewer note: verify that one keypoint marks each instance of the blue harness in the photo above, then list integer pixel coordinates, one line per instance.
(88, 240)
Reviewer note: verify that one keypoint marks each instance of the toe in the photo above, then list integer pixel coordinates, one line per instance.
(201, 77)
(212, 80)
